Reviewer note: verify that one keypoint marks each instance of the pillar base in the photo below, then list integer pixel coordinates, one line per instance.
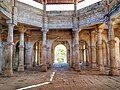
(8, 72)
(48, 65)
(44, 68)
(73, 66)
(28, 66)
(94, 65)
(114, 72)
(77, 67)
(20, 68)
(102, 69)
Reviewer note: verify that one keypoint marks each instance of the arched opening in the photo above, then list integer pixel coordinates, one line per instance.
(16, 63)
(16, 55)
(60, 54)
(105, 53)
(36, 54)
(84, 56)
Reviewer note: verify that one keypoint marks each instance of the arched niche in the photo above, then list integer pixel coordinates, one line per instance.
(16, 55)
(37, 53)
(84, 53)
(104, 53)
(66, 44)
(60, 54)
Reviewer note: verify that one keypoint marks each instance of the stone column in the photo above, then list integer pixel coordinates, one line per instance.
(77, 63)
(73, 57)
(90, 59)
(73, 52)
(48, 57)
(8, 62)
(44, 53)
(38, 53)
(82, 54)
(93, 50)
(87, 56)
(1, 58)
(21, 51)
(28, 61)
(113, 63)
(100, 58)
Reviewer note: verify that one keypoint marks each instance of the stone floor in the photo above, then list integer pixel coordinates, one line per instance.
(64, 79)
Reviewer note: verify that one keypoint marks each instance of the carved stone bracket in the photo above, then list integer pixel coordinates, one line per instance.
(22, 28)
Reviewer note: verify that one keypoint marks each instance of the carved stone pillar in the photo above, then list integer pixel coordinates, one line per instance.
(77, 63)
(1, 58)
(82, 54)
(21, 50)
(73, 57)
(28, 61)
(38, 61)
(44, 53)
(100, 59)
(113, 62)
(87, 56)
(93, 50)
(8, 62)
(73, 52)
(90, 59)
(48, 57)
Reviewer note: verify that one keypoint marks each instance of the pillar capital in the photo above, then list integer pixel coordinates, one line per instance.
(114, 23)
(93, 33)
(100, 30)
(112, 42)
(45, 30)
(9, 22)
(22, 28)
(76, 30)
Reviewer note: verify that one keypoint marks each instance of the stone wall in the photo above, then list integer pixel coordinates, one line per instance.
(6, 8)
(29, 15)
(114, 7)
(92, 14)
(60, 19)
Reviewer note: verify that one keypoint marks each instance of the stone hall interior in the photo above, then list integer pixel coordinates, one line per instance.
(76, 49)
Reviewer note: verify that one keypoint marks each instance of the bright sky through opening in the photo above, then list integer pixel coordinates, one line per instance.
(60, 7)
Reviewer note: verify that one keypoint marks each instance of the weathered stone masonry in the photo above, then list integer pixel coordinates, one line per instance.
(90, 36)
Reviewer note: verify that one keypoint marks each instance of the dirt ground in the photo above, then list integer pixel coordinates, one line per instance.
(62, 80)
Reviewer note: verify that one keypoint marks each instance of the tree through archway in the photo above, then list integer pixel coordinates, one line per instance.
(60, 54)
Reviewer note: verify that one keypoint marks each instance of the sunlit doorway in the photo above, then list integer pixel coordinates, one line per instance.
(60, 54)
(60, 57)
